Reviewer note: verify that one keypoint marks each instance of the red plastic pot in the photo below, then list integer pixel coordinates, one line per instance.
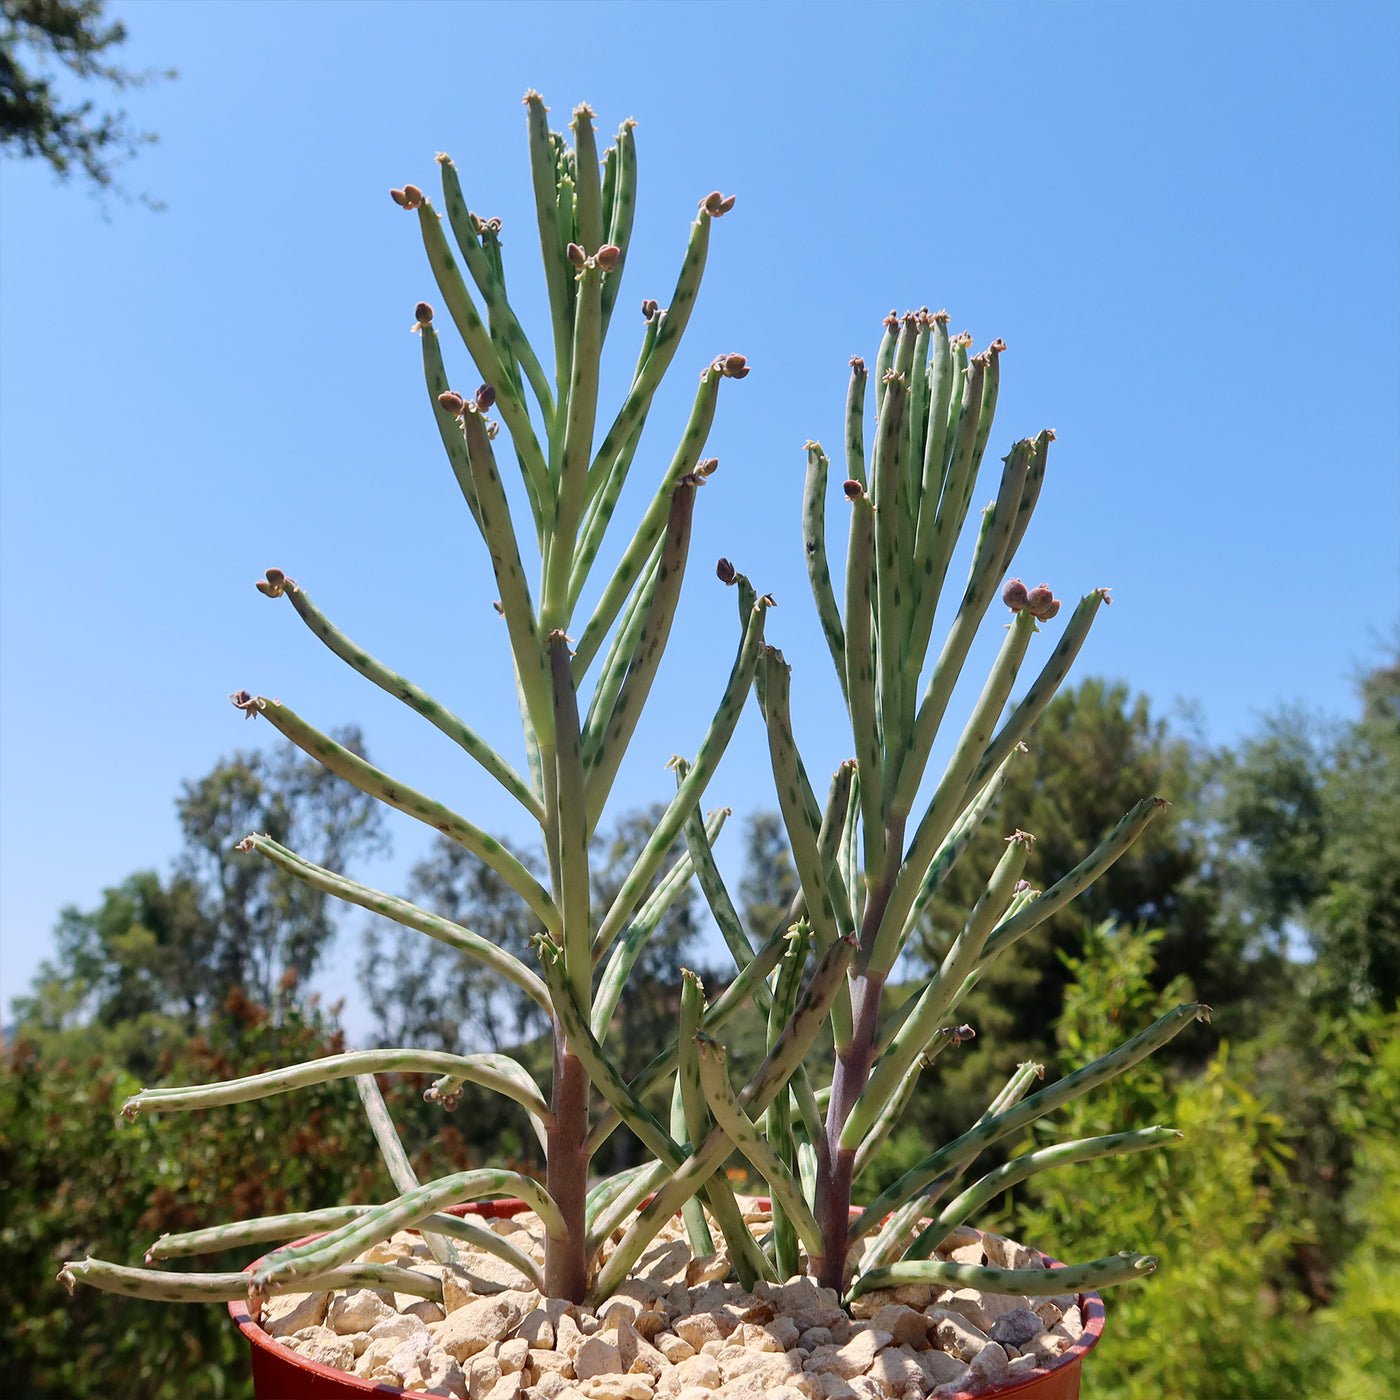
(282, 1374)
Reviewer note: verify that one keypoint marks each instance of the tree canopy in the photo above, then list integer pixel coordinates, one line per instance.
(36, 120)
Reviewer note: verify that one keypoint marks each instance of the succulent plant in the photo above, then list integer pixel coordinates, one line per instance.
(865, 880)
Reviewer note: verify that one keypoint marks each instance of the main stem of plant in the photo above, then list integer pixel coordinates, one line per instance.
(566, 1175)
(836, 1166)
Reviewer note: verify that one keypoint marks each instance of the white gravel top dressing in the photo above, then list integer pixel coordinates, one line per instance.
(675, 1331)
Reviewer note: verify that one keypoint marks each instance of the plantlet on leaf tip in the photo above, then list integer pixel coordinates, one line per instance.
(869, 857)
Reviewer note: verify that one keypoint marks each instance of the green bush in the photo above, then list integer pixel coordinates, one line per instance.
(77, 1179)
(1220, 1319)
(1358, 1337)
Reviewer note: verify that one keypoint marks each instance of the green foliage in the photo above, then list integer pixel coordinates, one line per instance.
(75, 1179)
(1359, 1335)
(34, 119)
(1312, 813)
(1223, 1317)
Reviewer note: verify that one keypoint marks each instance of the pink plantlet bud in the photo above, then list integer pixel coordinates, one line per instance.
(609, 255)
(853, 489)
(1014, 595)
(265, 588)
(962, 1033)
(242, 700)
(725, 571)
(1051, 611)
(716, 205)
(412, 196)
(891, 321)
(649, 308)
(245, 845)
(492, 429)
(496, 603)
(452, 403)
(857, 363)
(1023, 838)
(478, 224)
(735, 366)
(399, 198)
(1020, 887)
(1038, 599)
(485, 397)
(276, 577)
(941, 317)
(708, 467)
(997, 346)
(576, 255)
(423, 314)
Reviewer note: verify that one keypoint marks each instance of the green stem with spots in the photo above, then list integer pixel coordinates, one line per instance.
(499, 1073)
(623, 208)
(572, 826)
(491, 287)
(369, 779)
(1043, 688)
(449, 429)
(1129, 828)
(414, 697)
(396, 1161)
(818, 570)
(738, 1127)
(270, 1229)
(527, 649)
(161, 1287)
(403, 912)
(653, 522)
(985, 1190)
(478, 342)
(950, 797)
(340, 1246)
(949, 1160)
(668, 338)
(557, 272)
(578, 441)
(633, 943)
(860, 679)
(608, 742)
(688, 797)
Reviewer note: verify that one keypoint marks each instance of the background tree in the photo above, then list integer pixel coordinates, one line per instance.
(769, 881)
(34, 119)
(157, 957)
(1310, 813)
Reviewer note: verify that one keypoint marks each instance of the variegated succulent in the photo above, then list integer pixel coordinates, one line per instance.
(865, 877)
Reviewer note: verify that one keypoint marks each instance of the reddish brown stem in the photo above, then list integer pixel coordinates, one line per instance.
(848, 1079)
(836, 1166)
(566, 1175)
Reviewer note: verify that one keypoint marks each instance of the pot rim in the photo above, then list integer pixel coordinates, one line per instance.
(1090, 1305)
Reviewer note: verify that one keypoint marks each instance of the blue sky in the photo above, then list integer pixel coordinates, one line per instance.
(1181, 218)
